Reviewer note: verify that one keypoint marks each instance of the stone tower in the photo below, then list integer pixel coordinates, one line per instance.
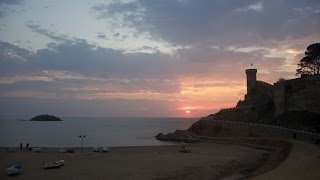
(251, 80)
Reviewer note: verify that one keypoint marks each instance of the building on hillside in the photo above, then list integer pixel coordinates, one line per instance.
(259, 95)
(300, 94)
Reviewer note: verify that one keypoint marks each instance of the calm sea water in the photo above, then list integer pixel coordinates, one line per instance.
(98, 131)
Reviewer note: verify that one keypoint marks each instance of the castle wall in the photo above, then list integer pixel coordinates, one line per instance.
(312, 93)
(279, 98)
(304, 100)
(296, 101)
(302, 94)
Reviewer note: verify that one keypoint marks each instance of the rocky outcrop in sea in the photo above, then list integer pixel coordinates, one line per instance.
(45, 117)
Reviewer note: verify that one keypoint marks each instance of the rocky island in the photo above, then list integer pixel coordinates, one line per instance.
(45, 117)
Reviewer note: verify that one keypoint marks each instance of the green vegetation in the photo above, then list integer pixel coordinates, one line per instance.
(310, 63)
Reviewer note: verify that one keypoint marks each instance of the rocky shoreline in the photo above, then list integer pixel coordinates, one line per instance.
(178, 136)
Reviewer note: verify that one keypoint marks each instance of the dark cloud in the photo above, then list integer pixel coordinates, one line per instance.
(102, 36)
(5, 5)
(10, 2)
(219, 22)
(5, 46)
(76, 69)
(79, 69)
(108, 70)
(85, 58)
(79, 56)
(116, 35)
(13, 59)
(42, 31)
(220, 40)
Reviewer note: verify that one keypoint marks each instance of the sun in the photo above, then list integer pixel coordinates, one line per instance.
(188, 112)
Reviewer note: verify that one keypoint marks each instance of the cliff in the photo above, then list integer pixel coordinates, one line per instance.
(45, 117)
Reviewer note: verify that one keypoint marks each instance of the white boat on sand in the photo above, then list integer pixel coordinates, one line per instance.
(53, 164)
(36, 150)
(15, 169)
(101, 149)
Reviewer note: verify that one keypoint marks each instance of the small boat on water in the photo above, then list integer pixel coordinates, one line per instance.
(53, 164)
(15, 169)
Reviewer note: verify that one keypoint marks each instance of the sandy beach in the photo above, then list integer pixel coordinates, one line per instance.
(206, 161)
(303, 162)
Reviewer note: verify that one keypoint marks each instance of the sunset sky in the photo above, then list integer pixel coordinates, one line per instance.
(145, 58)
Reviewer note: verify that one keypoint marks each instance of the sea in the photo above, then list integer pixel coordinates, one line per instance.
(98, 132)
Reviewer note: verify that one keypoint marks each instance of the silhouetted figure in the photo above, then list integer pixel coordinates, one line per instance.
(20, 146)
(27, 146)
(294, 135)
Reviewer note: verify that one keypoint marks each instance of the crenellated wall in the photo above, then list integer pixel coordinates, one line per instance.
(301, 94)
(279, 100)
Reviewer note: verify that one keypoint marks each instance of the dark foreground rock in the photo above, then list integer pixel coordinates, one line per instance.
(178, 136)
(45, 117)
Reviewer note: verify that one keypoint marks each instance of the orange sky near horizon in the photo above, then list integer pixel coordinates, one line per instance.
(130, 59)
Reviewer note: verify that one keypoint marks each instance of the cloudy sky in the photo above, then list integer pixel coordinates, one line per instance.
(145, 57)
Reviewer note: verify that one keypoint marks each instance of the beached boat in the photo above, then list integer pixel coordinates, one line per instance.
(105, 149)
(62, 150)
(53, 164)
(36, 150)
(69, 150)
(101, 149)
(184, 149)
(11, 150)
(15, 169)
(96, 149)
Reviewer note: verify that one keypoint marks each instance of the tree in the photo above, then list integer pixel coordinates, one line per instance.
(310, 63)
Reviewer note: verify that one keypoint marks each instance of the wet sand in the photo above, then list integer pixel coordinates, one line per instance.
(206, 161)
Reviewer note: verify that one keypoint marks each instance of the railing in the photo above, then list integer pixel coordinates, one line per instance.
(270, 126)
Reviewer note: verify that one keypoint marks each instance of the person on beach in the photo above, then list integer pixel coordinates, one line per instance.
(20, 146)
(294, 135)
(27, 146)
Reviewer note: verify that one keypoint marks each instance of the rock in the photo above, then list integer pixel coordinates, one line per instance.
(177, 136)
(45, 117)
(160, 136)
